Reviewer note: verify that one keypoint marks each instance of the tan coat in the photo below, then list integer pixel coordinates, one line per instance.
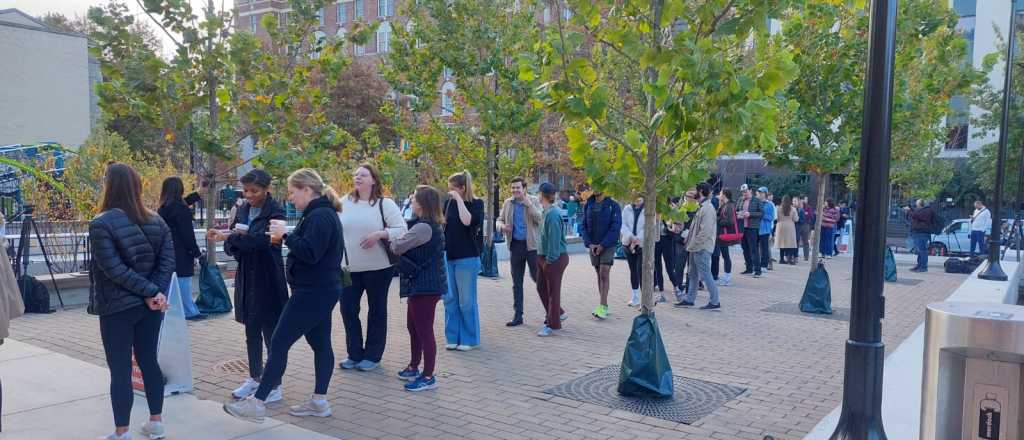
(534, 216)
(703, 229)
(785, 234)
(11, 305)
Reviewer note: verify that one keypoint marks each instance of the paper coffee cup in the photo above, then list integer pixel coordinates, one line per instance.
(242, 227)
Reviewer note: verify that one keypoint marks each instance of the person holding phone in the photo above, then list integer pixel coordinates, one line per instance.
(260, 287)
(132, 265)
(313, 268)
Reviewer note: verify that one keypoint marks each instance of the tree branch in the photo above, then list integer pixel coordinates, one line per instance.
(714, 24)
(159, 25)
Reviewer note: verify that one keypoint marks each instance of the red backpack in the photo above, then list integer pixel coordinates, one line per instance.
(731, 238)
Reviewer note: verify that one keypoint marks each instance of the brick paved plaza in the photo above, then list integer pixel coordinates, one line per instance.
(790, 365)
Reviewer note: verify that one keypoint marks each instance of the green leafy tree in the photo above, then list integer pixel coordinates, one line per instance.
(653, 91)
(824, 104)
(473, 45)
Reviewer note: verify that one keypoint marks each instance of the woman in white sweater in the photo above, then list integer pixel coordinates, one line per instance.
(368, 218)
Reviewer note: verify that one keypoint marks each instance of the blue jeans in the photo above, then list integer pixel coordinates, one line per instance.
(921, 241)
(461, 312)
(185, 288)
(979, 238)
(827, 243)
(700, 269)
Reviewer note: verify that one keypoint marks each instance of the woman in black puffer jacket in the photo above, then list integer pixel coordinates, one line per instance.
(178, 217)
(313, 268)
(132, 264)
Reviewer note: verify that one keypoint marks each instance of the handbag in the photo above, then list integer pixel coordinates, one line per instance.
(731, 238)
(384, 242)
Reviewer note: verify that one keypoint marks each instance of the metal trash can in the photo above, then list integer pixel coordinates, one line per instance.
(973, 358)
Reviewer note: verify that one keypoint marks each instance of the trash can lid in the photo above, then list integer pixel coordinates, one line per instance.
(988, 311)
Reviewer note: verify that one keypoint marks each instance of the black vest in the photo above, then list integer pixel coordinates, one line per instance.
(422, 268)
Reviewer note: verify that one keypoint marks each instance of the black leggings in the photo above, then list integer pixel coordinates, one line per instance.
(636, 265)
(258, 331)
(376, 284)
(137, 328)
(307, 313)
(723, 251)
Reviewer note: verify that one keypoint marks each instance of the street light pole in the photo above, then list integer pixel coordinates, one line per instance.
(861, 417)
(994, 270)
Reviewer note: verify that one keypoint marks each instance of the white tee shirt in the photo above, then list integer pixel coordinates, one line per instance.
(981, 220)
(361, 218)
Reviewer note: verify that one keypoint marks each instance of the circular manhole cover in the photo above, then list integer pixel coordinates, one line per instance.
(234, 366)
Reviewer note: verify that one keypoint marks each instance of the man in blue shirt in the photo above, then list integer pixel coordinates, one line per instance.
(767, 223)
(520, 220)
(602, 221)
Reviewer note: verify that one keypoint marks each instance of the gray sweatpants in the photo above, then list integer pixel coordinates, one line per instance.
(700, 270)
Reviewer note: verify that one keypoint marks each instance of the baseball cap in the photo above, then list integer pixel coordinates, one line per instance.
(744, 187)
(547, 188)
(763, 189)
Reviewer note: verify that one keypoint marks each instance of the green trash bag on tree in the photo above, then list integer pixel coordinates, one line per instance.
(646, 372)
(213, 294)
(818, 293)
(890, 265)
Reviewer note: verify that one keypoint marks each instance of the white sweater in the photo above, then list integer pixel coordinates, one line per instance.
(359, 219)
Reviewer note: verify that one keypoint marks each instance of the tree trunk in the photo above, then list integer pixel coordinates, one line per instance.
(211, 189)
(819, 208)
(650, 169)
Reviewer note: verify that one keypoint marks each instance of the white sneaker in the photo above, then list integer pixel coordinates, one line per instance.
(635, 301)
(155, 430)
(125, 436)
(249, 409)
(247, 389)
(451, 346)
(275, 395)
(466, 347)
(312, 408)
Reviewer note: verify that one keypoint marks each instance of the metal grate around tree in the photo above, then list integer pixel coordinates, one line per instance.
(694, 399)
(838, 313)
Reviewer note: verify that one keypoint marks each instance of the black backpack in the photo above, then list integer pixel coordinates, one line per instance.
(962, 265)
(34, 294)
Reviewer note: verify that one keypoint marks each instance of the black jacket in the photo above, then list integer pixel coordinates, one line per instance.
(260, 287)
(315, 248)
(129, 262)
(422, 268)
(756, 212)
(179, 218)
(921, 220)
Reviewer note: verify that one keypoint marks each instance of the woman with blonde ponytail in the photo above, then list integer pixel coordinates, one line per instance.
(315, 250)
(464, 216)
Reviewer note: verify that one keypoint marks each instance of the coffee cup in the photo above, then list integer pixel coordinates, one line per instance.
(241, 227)
(277, 230)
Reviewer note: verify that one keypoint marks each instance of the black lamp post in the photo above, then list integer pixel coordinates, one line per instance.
(994, 270)
(861, 417)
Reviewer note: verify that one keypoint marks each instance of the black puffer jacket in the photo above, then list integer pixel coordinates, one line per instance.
(260, 288)
(129, 262)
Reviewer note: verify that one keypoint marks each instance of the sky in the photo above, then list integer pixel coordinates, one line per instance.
(72, 8)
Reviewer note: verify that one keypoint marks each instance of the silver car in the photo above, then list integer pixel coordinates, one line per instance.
(955, 239)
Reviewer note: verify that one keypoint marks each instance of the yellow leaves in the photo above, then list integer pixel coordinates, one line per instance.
(262, 99)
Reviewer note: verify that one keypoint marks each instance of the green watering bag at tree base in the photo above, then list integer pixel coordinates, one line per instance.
(818, 293)
(890, 266)
(213, 294)
(646, 372)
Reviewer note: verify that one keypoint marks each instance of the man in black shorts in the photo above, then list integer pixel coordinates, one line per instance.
(602, 219)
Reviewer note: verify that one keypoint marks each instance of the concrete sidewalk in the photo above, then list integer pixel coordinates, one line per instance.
(52, 396)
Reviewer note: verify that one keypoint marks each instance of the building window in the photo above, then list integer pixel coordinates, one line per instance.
(341, 35)
(284, 19)
(386, 8)
(360, 10)
(384, 38)
(320, 16)
(447, 73)
(566, 13)
(253, 21)
(319, 41)
(342, 13)
(447, 99)
(360, 50)
(547, 15)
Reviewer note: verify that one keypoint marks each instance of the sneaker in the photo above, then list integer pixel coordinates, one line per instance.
(601, 312)
(683, 304)
(662, 299)
(747, 272)
(249, 409)
(409, 374)
(311, 408)
(367, 365)
(461, 347)
(154, 430)
(545, 331)
(421, 384)
(275, 396)
(757, 274)
(563, 317)
(515, 322)
(125, 436)
(247, 389)
(348, 364)
(711, 307)
(451, 346)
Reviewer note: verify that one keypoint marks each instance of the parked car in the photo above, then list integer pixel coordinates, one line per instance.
(955, 239)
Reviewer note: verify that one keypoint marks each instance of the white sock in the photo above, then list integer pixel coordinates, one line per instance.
(319, 398)
(636, 293)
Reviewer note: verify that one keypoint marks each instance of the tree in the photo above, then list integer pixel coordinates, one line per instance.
(824, 104)
(653, 91)
(472, 45)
